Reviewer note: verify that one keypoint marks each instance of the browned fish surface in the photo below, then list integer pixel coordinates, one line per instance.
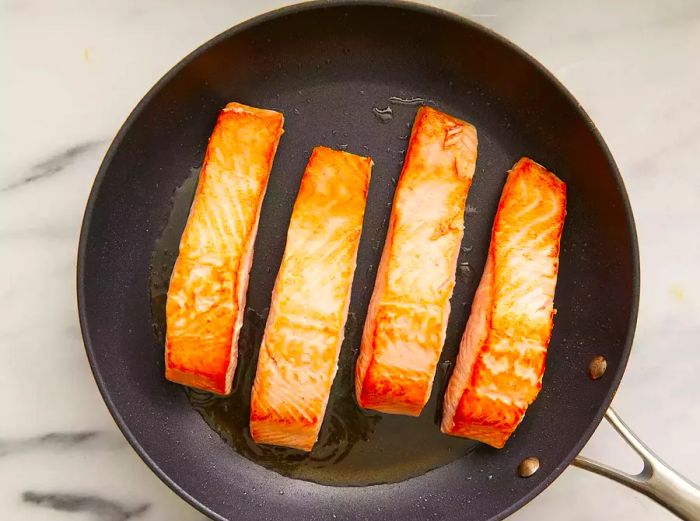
(305, 327)
(502, 355)
(405, 327)
(206, 297)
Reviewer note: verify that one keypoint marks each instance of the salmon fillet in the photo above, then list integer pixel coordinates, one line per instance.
(407, 317)
(501, 360)
(305, 327)
(206, 297)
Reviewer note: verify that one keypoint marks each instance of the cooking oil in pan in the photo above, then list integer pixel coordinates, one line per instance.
(355, 447)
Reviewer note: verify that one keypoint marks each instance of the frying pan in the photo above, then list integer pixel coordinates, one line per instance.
(335, 70)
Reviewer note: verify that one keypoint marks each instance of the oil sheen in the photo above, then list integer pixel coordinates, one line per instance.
(356, 447)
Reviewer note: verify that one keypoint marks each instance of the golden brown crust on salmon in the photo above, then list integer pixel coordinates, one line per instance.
(405, 327)
(206, 297)
(501, 361)
(305, 327)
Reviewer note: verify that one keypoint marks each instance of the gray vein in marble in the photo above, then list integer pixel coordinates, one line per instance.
(100, 508)
(53, 165)
(60, 440)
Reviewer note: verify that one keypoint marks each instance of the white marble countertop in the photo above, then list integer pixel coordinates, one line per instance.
(72, 71)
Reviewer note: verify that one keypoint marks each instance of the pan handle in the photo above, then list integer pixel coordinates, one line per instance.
(656, 480)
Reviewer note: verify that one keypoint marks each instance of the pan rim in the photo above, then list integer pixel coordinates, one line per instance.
(311, 6)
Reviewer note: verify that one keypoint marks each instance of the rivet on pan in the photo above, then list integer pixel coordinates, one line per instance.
(528, 467)
(597, 367)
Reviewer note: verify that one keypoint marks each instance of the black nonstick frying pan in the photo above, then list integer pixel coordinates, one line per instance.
(350, 75)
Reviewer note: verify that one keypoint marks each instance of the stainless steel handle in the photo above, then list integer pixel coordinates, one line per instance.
(656, 480)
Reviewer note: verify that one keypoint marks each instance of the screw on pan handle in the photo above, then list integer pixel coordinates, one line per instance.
(656, 480)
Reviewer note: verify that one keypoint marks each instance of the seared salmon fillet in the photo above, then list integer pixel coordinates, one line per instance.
(206, 297)
(305, 328)
(407, 317)
(501, 360)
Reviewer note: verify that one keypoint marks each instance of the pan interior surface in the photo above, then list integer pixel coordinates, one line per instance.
(351, 76)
